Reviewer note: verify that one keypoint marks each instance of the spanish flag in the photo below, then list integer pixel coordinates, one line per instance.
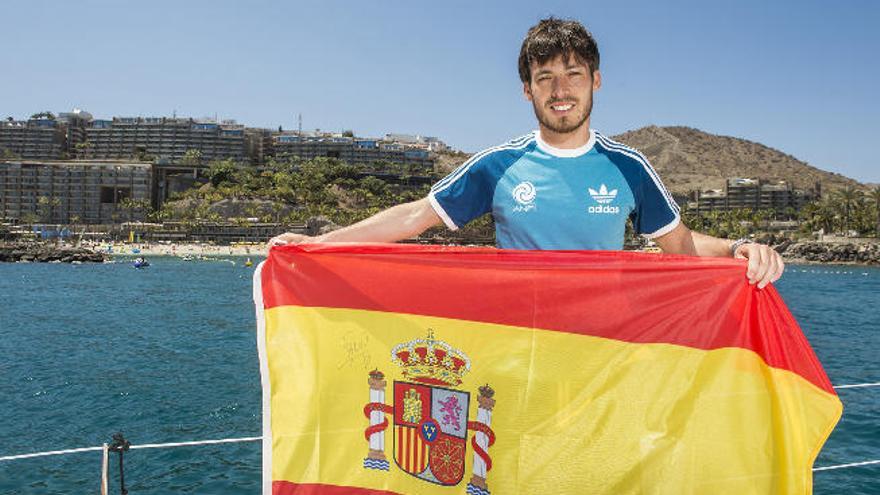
(402, 369)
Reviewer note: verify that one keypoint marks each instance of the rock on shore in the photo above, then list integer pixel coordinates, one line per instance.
(43, 253)
(818, 252)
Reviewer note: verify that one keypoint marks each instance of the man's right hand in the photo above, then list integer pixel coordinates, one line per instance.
(290, 238)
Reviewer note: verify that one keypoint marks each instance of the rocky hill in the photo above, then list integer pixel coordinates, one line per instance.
(447, 161)
(689, 159)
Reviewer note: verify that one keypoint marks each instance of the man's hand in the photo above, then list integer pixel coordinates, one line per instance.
(765, 264)
(290, 238)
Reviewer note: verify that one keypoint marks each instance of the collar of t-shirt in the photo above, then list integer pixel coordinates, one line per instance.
(566, 152)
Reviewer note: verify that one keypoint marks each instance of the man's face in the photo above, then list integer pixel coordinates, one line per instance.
(561, 92)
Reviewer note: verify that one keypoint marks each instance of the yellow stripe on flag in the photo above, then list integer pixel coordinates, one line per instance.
(573, 413)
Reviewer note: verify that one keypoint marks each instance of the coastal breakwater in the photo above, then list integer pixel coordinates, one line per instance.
(47, 253)
(822, 252)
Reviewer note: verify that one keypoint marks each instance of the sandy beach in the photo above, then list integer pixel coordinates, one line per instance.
(178, 249)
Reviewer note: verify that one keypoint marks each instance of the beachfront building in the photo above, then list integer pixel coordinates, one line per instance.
(353, 150)
(162, 138)
(258, 144)
(754, 194)
(74, 124)
(428, 143)
(40, 137)
(90, 191)
(195, 143)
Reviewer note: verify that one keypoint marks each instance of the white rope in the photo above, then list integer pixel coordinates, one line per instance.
(858, 385)
(196, 442)
(144, 446)
(852, 464)
(52, 452)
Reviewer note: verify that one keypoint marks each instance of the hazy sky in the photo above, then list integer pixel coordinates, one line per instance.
(799, 76)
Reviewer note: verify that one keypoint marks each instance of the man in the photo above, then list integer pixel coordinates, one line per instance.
(564, 186)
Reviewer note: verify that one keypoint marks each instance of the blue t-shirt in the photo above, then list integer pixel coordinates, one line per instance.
(549, 198)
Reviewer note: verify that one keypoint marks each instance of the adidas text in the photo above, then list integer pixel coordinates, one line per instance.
(611, 210)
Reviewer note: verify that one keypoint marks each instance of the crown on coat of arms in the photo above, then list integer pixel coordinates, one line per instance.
(431, 361)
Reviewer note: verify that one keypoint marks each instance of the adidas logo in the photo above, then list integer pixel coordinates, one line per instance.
(603, 196)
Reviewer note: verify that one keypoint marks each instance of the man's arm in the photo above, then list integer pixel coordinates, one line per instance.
(765, 264)
(394, 224)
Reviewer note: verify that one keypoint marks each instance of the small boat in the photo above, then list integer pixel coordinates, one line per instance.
(140, 263)
(248, 262)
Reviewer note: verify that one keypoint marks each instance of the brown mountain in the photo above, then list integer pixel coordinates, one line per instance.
(688, 159)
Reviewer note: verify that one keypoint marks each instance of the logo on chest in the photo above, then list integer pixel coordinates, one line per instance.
(524, 195)
(604, 198)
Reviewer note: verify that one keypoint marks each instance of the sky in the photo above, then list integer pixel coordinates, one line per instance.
(799, 76)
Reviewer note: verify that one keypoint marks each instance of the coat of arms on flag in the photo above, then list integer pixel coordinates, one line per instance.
(430, 416)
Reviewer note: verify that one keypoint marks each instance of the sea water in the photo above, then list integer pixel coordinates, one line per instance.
(168, 354)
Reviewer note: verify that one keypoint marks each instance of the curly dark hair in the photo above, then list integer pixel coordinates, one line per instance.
(552, 37)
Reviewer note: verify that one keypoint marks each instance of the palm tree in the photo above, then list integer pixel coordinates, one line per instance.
(47, 207)
(192, 158)
(713, 223)
(134, 206)
(761, 219)
(83, 149)
(818, 215)
(874, 196)
(848, 199)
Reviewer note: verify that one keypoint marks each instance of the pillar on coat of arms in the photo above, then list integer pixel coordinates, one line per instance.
(482, 464)
(376, 455)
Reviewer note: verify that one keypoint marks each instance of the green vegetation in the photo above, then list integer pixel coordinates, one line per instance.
(43, 115)
(134, 208)
(730, 224)
(292, 191)
(47, 207)
(192, 158)
(83, 148)
(846, 211)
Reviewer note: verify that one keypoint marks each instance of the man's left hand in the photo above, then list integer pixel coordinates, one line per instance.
(765, 264)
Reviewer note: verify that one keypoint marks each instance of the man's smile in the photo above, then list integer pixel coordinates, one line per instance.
(560, 107)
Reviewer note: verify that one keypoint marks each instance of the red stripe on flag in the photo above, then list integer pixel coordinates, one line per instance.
(409, 449)
(416, 448)
(288, 488)
(410, 459)
(401, 448)
(634, 297)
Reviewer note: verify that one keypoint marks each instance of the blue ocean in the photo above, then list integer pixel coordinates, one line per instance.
(168, 354)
